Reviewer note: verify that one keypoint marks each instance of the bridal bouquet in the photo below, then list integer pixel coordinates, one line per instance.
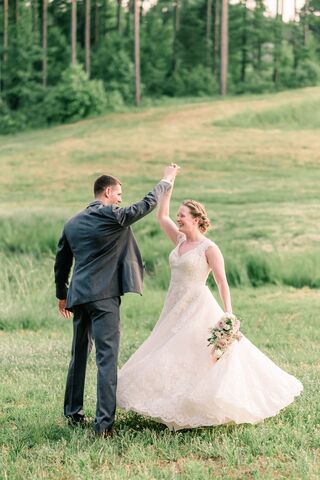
(226, 331)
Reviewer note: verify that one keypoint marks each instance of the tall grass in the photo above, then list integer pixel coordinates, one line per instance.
(305, 114)
(30, 233)
(27, 290)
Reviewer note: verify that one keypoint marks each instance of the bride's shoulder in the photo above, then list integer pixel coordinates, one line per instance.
(210, 248)
(207, 243)
(213, 253)
(205, 246)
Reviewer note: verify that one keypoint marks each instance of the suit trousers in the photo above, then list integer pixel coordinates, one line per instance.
(101, 320)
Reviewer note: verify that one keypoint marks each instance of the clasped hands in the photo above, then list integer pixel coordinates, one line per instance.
(170, 172)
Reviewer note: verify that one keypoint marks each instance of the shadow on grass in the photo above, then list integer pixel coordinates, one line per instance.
(137, 424)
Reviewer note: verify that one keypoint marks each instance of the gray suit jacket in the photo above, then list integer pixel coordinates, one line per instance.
(107, 260)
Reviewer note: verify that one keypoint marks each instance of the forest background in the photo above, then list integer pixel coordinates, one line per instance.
(64, 60)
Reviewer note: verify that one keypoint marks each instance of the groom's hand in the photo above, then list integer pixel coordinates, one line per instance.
(62, 309)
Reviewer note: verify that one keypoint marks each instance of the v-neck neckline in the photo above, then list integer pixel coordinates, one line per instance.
(191, 249)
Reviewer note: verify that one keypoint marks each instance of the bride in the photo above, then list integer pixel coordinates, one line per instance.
(171, 377)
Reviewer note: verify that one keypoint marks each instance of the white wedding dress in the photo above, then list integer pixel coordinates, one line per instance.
(171, 377)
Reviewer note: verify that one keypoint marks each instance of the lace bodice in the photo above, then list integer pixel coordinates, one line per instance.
(191, 267)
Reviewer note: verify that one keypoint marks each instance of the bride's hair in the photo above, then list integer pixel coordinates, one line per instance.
(197, 210)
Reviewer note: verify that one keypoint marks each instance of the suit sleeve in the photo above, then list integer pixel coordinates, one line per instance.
(129, 215)
(62, 267)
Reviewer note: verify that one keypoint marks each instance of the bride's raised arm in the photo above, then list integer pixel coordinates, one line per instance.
(163, 216)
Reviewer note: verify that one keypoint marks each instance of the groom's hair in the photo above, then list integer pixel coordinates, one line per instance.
(103, 182)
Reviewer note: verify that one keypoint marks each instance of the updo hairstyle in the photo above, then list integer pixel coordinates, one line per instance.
(197, 210)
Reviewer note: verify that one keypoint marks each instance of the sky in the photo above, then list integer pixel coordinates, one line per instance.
(288, 7)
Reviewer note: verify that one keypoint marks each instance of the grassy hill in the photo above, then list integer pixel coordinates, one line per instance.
(254, 162)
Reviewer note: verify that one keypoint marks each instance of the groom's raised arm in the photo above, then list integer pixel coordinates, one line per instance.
(128, 215)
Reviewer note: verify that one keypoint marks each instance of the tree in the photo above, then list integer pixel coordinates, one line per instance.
(260, 33)
(209, 24)
(176, 27)
(5, 31)
(74, 32)
(216, 39)
(305, 23)
(224, 48)
(87, 36)
(44, 42)
(34, 6)
(277, 44)
(16, 11)
(119, 9)
(97, 24)
(137, 49)
(244, 41)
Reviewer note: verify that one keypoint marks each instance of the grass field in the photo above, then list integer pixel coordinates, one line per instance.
(254, 162)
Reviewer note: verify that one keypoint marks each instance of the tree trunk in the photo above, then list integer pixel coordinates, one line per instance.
(176, 27)
(209, 25)
(216, 40)
(35, 20)
(44, 43)
(16, 11)
(5, 31)
(137, 49)
(306, 24)
(74, 32)
(96, 25)
(295, 39)
(119, 9)
(277, 45)
(141, 11)
(130, 14)
(259, 55)
(224, 49)
(244, 43)
(5, 47)
(87, 36)
(258, 28)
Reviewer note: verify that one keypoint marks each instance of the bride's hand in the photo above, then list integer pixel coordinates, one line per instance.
(171, 171)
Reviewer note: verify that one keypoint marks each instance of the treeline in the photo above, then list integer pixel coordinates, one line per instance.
(63, 60)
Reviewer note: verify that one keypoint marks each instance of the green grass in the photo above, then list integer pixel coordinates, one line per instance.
(37, 443)
(259, 179)
(304, 115)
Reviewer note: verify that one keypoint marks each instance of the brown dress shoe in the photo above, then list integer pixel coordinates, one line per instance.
(106, 434)
(77, 420)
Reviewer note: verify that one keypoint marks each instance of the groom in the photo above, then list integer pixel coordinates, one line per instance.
(107, 264)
